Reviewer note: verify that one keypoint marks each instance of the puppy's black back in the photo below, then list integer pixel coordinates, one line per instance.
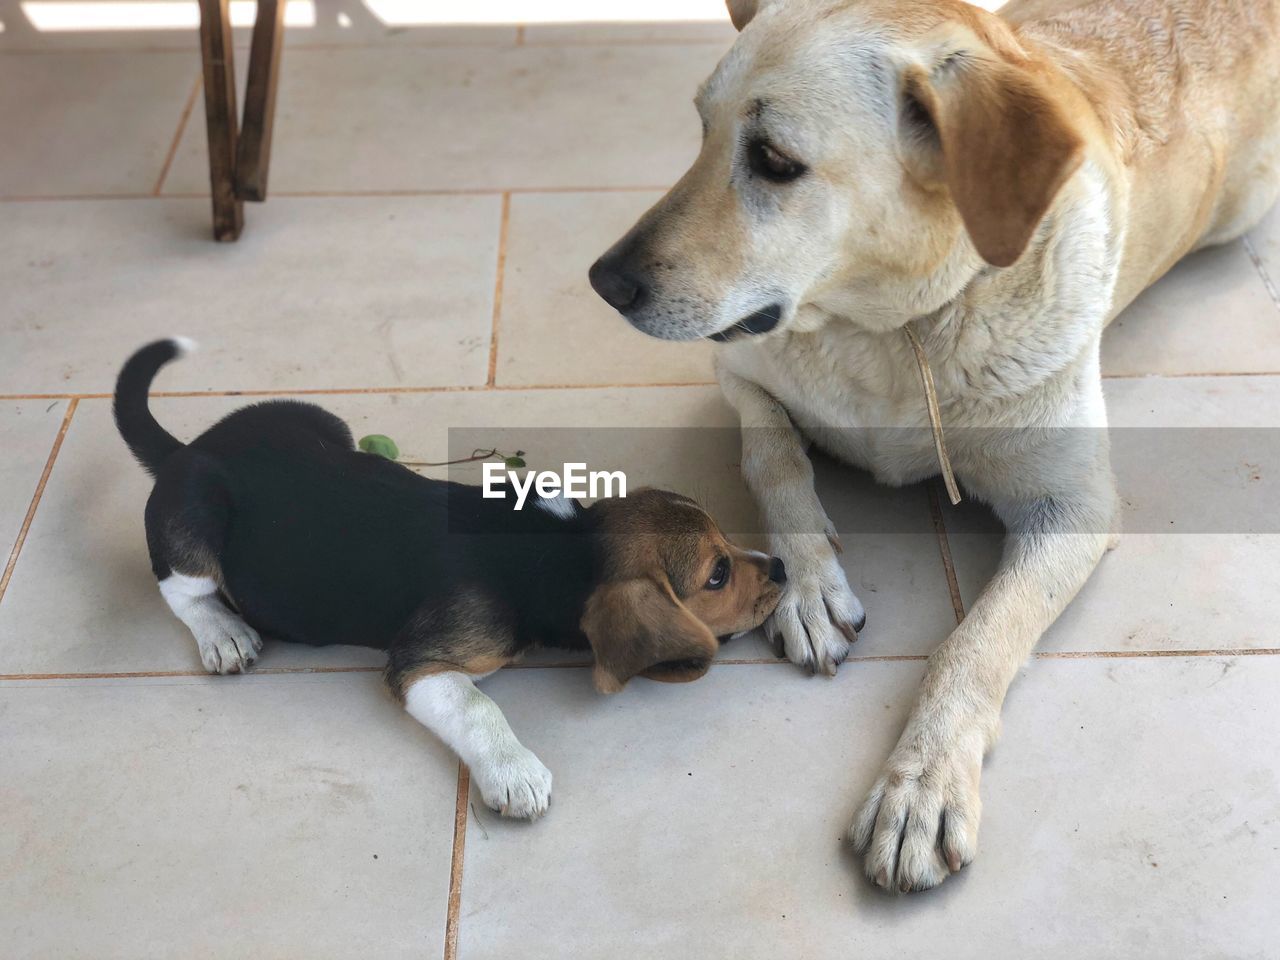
(316, 542)
(323, 544)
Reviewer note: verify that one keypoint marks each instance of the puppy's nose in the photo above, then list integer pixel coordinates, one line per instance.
(619, 288)
(777, 570)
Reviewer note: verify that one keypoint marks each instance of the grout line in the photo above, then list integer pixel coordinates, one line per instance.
(475, 388)
(161, 674)
(922, 657)
(482, 387)
(1262, 270)
(336, 194)
(243, 45)
(944, 548)
(637, 42)
(462, 388)
(346, 391)
(177, 136)
(122, 50)
(473, 191)
(72, 197)
(746, 661)
(1191, 375)
(455, 866)
(517, 39)
(35, 500)
(504, 228)
(1159, 654)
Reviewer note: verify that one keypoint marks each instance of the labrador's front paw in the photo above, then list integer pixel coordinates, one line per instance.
(818, 617)
(514, 782)
(920, 822)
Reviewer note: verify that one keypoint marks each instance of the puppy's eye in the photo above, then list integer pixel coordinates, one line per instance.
(720, 575)
(772, 165)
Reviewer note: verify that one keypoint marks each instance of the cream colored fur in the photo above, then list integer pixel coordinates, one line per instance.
(1175, 105)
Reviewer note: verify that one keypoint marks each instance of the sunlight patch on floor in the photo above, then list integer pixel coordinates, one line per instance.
(63, 16)
(407, 13)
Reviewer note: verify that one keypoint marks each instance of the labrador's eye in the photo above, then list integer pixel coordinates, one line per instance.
(772, 165)
(720, 575)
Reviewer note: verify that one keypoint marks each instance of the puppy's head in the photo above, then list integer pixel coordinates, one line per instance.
(671, 585)
(860, 158)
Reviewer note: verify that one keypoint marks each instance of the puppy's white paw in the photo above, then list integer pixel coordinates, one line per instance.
(919, 824)
(515, 783)
(227, 644)
(818, 617)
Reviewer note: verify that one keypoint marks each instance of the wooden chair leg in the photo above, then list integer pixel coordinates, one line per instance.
(220, 117)
(254, 156)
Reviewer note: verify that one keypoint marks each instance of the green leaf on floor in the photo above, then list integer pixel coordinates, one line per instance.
(381, 445)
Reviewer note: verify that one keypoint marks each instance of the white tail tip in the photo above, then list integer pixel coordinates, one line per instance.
(184, 345)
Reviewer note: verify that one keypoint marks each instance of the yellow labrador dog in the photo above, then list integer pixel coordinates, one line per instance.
(1002, 186)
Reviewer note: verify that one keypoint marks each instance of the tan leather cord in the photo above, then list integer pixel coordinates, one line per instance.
(935, 415)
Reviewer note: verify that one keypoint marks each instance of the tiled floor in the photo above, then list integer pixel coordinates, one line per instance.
(438, 195)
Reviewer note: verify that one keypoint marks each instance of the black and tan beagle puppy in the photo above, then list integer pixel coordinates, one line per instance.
(271, 522)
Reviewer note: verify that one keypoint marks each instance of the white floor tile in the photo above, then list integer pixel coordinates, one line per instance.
(308, 23)
(1131, 809)
(554, 327)
(476, 117)
(221, 817)
(1210, 314)
(1265, 238)
(88, 123)
(892, 560)
(320, 293)
(27, 430)
(1213, 588)
(715, 32)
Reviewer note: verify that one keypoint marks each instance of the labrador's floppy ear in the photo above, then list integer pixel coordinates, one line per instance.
(741, 12)
(1007, 145)
(639, 626)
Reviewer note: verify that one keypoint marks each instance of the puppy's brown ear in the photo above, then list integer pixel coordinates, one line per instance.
(1007, 145)
(640, 627)
(741, 11)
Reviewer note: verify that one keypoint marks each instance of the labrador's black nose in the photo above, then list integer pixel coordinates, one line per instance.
(777, 570)
(617, 286)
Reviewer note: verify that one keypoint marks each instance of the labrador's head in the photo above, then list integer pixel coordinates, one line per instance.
(860, 158)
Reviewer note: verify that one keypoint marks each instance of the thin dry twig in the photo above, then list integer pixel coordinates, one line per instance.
(479, 823)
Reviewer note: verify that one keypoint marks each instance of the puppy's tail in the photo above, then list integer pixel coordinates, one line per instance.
(149, 442)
